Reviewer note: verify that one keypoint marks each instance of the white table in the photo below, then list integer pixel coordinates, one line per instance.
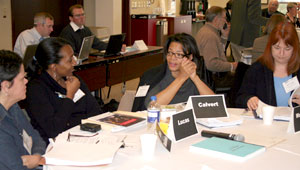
(282, 156)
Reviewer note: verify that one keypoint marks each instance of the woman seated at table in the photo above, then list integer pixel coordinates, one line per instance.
(176, 79)
(57, 100)
(279, 63)
(21, 146)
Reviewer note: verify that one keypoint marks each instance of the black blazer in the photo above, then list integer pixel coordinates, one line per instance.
(258, 81)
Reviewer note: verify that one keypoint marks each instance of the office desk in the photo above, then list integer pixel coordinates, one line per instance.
(284, 155)
(98, 72)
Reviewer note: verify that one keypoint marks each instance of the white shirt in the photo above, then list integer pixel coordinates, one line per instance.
(25, 38)
(75, 27)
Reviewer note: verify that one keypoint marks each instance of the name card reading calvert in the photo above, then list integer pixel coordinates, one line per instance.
(184, 125)
(209, 106)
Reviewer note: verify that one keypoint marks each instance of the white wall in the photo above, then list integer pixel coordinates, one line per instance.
(5, 22)
(104, 13)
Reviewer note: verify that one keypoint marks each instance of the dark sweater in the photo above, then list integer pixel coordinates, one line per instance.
(156, 79)
(75, 38)
(49, 113)
(265, 13)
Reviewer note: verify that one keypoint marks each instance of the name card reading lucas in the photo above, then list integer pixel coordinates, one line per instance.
(184, 125)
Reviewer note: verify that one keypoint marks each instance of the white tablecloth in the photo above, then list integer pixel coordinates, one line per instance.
(282, 156)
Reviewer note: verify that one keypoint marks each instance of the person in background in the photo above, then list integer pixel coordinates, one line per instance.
(272, 9)
(211, 46)
(43, 26)
(228, 18)
(279, 63)
(291, 14)
(176, 79)
(228, 10)
(76, 30)
(56, 99)
(246, 21)
(21, 146)
(260, 43)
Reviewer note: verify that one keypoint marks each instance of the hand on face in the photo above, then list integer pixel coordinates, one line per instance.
(225, 32)
(187, 68)
(253, 103)
(31, 161)
(72, 85)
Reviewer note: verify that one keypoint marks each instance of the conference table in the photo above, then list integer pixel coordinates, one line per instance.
(98, 72)
(282, 151)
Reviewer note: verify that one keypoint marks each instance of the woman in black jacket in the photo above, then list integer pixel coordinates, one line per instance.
(56, 99)
(279, 63)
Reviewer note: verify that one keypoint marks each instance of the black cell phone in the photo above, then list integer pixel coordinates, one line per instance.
(91, 127)
(225, 26)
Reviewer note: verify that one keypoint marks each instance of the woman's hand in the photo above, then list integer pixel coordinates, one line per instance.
(296, 99)
(188, 68)
(31, 161)
(72, 85)
(253, 103)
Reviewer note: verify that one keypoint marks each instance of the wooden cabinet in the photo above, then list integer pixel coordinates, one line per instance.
(178, 24)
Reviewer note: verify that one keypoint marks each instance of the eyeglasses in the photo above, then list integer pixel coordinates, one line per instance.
(177, 55)
(79, 15)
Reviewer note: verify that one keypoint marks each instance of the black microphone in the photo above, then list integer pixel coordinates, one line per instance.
(237, 137)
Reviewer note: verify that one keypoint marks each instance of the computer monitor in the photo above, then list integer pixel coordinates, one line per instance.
(114, 45)
(86, 46)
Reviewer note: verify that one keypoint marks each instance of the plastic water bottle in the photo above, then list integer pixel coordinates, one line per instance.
(153, 113)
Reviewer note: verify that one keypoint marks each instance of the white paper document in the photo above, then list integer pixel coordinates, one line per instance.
(231, 120)
(81, 154)
(281, 113)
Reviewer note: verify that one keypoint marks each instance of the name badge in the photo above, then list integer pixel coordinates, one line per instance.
(142, 91)
(27, 141)
(78, 95)
(291, 84)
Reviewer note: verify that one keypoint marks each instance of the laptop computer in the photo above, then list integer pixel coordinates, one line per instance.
(28, 56)
(114, 46)
(85, 48)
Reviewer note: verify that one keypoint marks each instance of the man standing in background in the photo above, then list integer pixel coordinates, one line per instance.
(272, 9)
(246, 21)
(43, 26)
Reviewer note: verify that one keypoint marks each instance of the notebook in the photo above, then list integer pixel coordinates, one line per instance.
(114, 46)
(86, 46)
(227, 149)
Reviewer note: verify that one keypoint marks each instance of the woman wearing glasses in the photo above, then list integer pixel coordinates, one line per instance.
(21, 146)
(176, 79)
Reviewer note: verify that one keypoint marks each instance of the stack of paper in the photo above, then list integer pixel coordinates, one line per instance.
(281, 113)
(232, 120)
(79, 154)
(81, 148)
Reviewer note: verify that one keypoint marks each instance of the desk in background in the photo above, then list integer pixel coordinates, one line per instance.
(98, 72)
